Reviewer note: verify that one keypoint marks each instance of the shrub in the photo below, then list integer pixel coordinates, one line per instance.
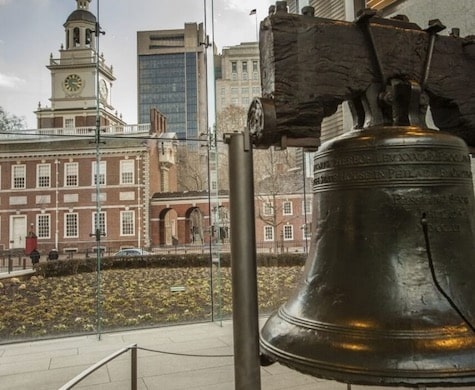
(74, 266)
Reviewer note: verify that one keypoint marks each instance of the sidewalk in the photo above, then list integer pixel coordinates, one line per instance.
(17, 273)
(49, 364)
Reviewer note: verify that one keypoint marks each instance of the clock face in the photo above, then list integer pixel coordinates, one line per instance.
(73, 83)
(103, 90)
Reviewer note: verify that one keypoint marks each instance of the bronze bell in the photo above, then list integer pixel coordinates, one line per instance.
(387, 296)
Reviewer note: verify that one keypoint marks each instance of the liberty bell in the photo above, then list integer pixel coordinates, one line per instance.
(387, 295)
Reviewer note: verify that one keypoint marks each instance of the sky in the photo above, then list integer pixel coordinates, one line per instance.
(32, 30)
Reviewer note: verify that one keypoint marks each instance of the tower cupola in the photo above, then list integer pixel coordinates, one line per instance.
(80, 27)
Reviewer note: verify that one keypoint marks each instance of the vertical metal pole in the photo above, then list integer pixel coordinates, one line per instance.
(243, 264)
(97, 225)
(305, 211)
(133, 375)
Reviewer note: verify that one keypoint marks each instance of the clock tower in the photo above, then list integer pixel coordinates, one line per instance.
(74, 76)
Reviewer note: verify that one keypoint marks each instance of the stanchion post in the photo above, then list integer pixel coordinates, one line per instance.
(133, 373)
(243, 263)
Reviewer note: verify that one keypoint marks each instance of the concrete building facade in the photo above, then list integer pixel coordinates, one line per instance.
(238, 80)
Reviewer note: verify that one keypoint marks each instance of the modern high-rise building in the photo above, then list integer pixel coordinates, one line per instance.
(171, 74)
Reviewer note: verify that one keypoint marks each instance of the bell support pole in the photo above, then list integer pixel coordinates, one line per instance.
(243, 263)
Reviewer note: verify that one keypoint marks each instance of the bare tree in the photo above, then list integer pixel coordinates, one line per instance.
(194, 161)
(10, 122)
(275, 175)
(274, 171)
(231, 119)
(191, 168)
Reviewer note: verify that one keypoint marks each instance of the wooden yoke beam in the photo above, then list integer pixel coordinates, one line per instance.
(310, 65)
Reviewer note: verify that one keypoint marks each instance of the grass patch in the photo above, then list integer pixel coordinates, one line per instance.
(130, 298)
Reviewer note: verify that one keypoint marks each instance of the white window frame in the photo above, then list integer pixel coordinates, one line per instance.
(71, 231)
(43, 175)
(307, 206)
(102, 222)
(71, 170)
(127, 171)
(267, 209)
(19, 176)
(268, 233)
(102, 173)
(287, 207)
(69, 122)
(127, 228)
(288, 232)
(43, 226)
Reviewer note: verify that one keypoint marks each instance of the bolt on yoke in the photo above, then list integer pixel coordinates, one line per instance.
(388, 70)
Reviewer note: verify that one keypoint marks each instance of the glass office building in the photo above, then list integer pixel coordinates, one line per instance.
(172, 78)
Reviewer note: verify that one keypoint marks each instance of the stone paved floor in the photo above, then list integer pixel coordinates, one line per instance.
(49, 364)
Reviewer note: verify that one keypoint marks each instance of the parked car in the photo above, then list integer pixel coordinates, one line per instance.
(132, 252)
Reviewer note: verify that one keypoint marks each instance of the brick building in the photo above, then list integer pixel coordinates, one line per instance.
(84, 171)
(283, 220)
(51, 186)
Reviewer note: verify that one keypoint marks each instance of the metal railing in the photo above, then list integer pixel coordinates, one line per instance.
(10, 262)
(129, 130)
(133, 369)
(133, 377)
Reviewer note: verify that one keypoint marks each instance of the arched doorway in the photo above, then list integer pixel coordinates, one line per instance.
(195, 224)
(223, 214)
(168, 227)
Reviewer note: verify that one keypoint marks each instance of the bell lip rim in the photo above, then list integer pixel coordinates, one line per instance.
(331, 362)
(374, 377)
(361, 375)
